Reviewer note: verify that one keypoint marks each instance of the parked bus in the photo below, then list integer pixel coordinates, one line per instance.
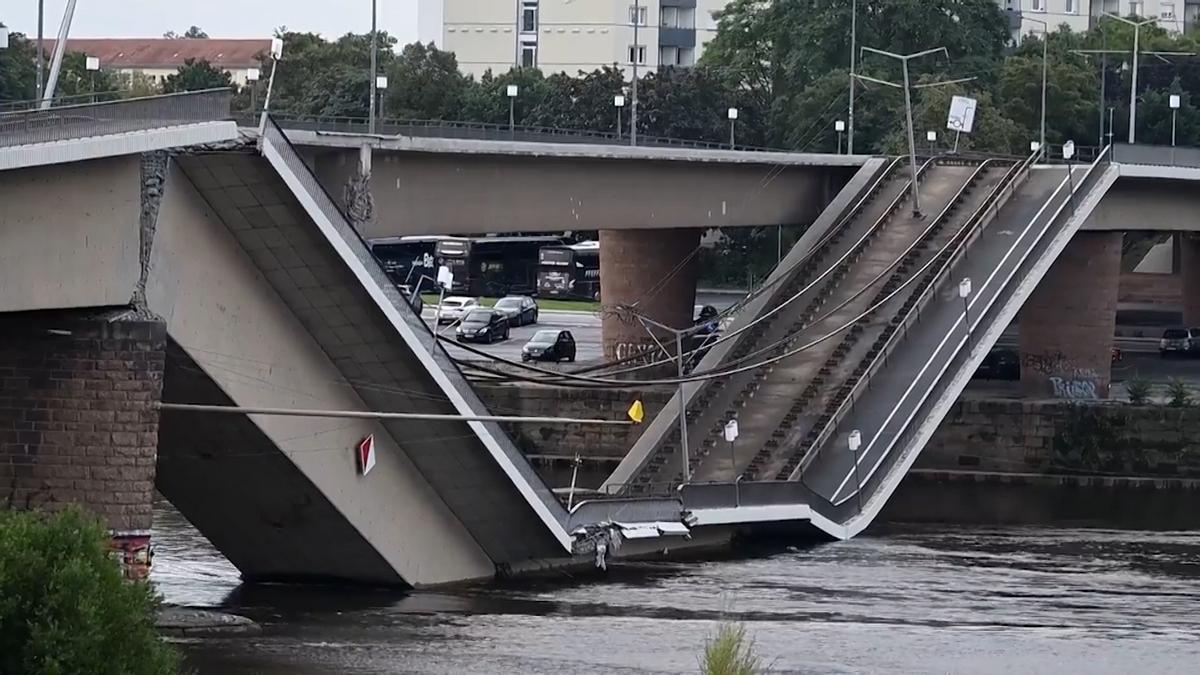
(570, 271)
(493, 266)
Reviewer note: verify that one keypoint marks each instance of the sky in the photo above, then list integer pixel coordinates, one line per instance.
(218, 18)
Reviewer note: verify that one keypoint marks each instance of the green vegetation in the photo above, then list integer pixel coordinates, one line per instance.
(1179, 394)
(64, 606)
(561, 305)
(730, 652)
(1138, 390)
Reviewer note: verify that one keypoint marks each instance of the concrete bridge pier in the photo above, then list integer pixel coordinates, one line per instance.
(78, 423)
(1067, 324)
(1189, 267)
(654, 270)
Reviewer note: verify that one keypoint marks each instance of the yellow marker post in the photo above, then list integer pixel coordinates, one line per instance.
(636, 412)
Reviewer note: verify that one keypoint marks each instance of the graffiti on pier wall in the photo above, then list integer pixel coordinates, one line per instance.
(1067, 379)
(636, 352)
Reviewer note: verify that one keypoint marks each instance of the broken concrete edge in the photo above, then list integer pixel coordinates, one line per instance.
(176, 621)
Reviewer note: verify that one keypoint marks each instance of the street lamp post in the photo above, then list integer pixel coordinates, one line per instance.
(252, 75)
(381, 85)
(853, 56)
(964, 292)
(1175, 101)
(683, 432)
(840, 127)
(92, 64)
(731, 434)
(733, 115)
(1137, 29)
(931, 136)
(619, 103)
(908, 113)
(512, 91)
(374, 69)
(855, 442)
(633, 109)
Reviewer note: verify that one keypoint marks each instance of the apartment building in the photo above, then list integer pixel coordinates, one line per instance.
(576, 35)
(1025, 15)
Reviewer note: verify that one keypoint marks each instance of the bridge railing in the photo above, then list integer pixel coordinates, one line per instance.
(482, 131)
(70, 122)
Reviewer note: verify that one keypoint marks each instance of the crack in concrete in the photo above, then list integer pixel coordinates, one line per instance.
(154, 167)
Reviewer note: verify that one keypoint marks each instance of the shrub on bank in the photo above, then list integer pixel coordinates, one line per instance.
(65, 607)
(730, 652)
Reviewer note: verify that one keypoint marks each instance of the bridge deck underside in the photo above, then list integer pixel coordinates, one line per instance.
(372, 360)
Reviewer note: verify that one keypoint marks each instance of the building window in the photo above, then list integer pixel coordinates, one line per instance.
(637, 54)
(687, 56)
(678, 17)
(1135, 8)
(528, 54)
(1039, 5)
(529, 11)
(1071, 8)
(637, 16)
(1166, 11)
(676, 56)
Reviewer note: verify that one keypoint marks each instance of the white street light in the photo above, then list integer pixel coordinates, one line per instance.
(92, 63)
(854, 441)
(731, 434)
(276, 48)
(512, 90)
(252, 74)
(931, 137)
(618, 103)
(3, 37)
(840, 127)
(381, 82)
(964, 292)
(1174, 101)
(733, 115)
(1045, 68)
(1034, 146)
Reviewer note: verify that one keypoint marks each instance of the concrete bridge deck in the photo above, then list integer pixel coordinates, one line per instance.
(270, 299)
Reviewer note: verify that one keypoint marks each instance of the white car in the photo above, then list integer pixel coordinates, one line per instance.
(454, 308)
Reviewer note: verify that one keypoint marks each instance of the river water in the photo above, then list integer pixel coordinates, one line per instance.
(904, 600)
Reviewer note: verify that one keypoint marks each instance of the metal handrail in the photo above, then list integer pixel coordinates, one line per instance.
(1011, 178)
(490, 130)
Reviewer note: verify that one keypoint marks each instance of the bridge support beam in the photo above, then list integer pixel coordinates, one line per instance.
(1189, 268)
(78, 423)
(656, 269)
(1067, 324)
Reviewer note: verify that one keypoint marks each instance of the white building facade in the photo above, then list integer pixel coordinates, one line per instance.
(1176, 16)
(576, 35)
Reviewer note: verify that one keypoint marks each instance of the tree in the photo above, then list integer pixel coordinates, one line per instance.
(76, 80)
(196, 75)
(64, 606)
(192, 33)
(17, 71)
(424, 83)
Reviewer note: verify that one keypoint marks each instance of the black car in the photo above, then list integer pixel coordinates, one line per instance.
(520, 309)
(1000, 364)
(483, 325)
(549, 345)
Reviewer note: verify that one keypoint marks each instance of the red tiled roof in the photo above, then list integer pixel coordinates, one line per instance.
(166, 53)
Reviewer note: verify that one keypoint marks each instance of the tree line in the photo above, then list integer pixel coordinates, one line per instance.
(783, 64)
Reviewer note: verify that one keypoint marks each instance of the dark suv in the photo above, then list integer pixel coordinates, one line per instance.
(483, 325)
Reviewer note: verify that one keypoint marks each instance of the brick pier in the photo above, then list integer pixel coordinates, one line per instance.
(77, 418)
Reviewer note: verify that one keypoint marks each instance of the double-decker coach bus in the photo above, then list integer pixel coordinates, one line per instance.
(493, 266)
(571, 271)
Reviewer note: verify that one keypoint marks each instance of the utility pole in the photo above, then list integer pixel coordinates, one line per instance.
(374, 69)
(41, 55)
(1137, 30)
(853, 55)
(633, 108)
(912, 142)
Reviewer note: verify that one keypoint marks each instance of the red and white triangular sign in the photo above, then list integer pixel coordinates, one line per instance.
(366, 455)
